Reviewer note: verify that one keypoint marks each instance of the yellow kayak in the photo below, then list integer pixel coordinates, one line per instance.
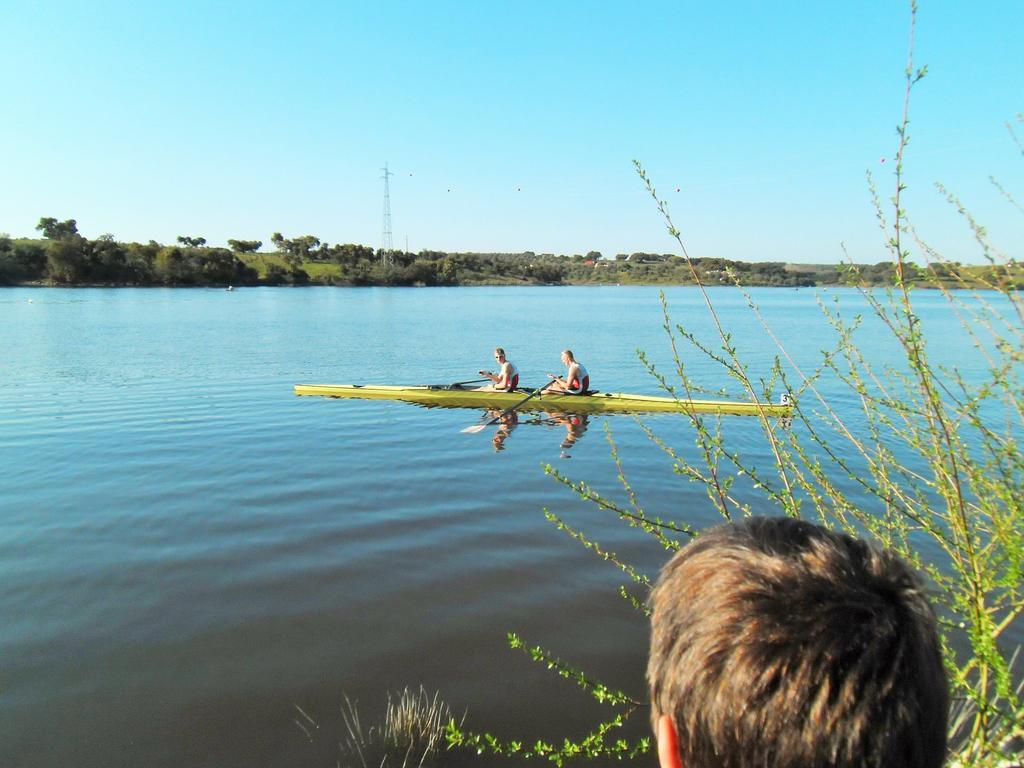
(450, 396)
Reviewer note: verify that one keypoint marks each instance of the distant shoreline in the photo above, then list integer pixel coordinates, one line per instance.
(65, 259)
(234, 287)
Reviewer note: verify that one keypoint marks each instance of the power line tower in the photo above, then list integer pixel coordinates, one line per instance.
(386, 245)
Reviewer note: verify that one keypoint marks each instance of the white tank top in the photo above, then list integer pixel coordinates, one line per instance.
(510, 371)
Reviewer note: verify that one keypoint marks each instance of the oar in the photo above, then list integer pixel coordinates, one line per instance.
(481, 427)
(456, 384)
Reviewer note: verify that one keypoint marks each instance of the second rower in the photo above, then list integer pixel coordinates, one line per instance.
(577, 379)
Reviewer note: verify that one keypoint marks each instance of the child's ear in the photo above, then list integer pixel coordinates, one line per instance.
(668, 744)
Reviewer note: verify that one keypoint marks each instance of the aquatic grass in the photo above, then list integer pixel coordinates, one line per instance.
(412, 734)
(934, 458)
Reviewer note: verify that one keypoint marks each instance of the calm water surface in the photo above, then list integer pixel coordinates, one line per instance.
(188, 551)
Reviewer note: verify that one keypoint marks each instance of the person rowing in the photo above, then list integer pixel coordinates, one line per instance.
(507, 377)
(577, 379)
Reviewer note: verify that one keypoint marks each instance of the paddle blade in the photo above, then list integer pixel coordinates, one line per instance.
(474, 429)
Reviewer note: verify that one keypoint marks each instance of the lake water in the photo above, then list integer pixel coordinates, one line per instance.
(188, 551)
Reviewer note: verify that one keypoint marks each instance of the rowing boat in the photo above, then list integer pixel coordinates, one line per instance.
(449, 396)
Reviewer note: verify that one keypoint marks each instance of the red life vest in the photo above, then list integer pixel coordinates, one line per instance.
(578, 387)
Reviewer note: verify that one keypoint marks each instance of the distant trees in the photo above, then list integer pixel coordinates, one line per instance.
(20, 261)
(53, 229)
(945, 269)
(170, 265)
(649, 258)
(200, 266)
(349, 254)
(245, 246)
(66, 261)
(7, 263)
(65, 257)
(448, 272)
(296, 247)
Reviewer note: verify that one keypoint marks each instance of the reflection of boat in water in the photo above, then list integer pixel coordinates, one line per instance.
(451, 396)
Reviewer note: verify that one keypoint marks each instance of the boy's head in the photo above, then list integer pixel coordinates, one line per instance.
(775, 642)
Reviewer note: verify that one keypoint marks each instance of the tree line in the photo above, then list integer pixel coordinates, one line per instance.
(62, 256)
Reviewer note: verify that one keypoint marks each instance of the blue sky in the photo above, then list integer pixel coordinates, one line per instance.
(509, 126)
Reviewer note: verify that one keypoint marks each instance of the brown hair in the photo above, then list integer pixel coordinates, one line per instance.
(779, 643)
(499, 351)
(568, 353)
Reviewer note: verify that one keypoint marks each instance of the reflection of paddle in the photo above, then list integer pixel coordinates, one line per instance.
(481, 427)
